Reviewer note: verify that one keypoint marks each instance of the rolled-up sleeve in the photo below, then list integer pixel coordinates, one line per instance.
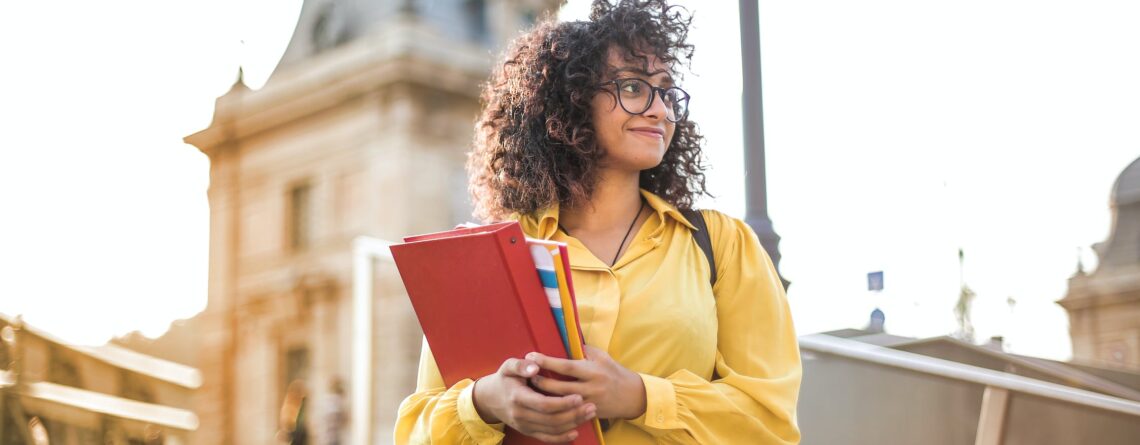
(753, 394)
(441, 415)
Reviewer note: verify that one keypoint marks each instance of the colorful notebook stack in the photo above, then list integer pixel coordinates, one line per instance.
(479, 301)
(553, 266)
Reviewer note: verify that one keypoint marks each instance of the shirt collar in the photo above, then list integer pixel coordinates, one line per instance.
(663, 208)
(544, 223)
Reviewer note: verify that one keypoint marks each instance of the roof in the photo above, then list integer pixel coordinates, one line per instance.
(1124, 377)
(1119, 251)
(323, 25)
(855, 350)
(870, 337)
(1041, 369)
(63, 398)
(123, 358)
(168, 371)
(1127, 188)
(959, 351)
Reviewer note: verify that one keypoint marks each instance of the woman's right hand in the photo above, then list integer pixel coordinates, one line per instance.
(505, 397)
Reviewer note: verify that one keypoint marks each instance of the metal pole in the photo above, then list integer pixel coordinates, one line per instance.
(756, 187)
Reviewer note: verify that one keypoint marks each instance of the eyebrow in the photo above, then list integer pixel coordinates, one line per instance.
(635, 70)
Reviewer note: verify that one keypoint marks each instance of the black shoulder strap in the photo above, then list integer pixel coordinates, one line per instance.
(701, 235)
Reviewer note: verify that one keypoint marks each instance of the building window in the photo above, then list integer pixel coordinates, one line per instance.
(63, 370)
(134, 387)
(296, 364)
(300, 217)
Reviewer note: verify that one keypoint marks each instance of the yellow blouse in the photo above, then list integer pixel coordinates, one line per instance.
(720, 365)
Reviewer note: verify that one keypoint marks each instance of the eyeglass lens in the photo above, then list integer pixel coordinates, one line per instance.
(636, 96)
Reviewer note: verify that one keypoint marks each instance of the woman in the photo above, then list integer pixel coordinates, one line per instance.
(585, 139)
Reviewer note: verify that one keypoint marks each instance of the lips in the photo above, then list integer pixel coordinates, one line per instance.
(652, 132)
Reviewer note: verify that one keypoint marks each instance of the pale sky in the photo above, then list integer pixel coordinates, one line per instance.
(897, 132)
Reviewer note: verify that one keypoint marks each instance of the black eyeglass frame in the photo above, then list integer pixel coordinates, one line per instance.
(654, 91)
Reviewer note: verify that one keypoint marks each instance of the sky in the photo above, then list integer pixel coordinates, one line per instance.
(896, 133)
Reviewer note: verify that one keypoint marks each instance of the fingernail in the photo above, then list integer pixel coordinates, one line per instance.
(573, 435)
(531, 369)
(530, 356)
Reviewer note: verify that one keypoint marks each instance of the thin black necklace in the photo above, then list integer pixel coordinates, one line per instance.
(627, 232)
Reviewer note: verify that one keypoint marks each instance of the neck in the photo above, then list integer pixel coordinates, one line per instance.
(615, 200)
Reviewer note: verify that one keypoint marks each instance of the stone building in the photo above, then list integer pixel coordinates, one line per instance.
(1104, 306)
(360, 131)
(64, 394)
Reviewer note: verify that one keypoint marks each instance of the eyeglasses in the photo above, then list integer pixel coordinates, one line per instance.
(636, 96)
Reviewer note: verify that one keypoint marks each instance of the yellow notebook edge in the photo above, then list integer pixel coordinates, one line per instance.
(569, 309)
(570, 312)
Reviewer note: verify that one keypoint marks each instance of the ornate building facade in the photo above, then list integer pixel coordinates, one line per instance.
(360, 131)
(1104, 306)
(55, 392)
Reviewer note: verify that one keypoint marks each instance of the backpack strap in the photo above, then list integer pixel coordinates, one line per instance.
(701, 235)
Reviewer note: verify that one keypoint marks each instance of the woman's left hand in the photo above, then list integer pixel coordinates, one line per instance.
(617, 392)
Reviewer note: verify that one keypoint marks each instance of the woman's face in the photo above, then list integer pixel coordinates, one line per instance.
(632, 142)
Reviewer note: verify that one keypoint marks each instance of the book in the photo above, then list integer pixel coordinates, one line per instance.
(553, 263)
(544, 261)
(480, 300)
(567, 315)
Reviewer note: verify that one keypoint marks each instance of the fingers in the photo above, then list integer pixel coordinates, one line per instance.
(557, 387)
(519, 368)
(579, 369)
(533, 413)
(534, 421)
(551, 438)
(556, 423)
(547, 405)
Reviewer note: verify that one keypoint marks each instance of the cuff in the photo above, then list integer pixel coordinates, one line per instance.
(660, 404)
(478, 429)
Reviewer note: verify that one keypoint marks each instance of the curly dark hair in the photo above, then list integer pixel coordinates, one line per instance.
(535, 143)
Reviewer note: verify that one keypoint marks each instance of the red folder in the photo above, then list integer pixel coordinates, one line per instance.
(479, 300)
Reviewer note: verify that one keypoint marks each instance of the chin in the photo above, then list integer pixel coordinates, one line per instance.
(649, 163)
(637, 157)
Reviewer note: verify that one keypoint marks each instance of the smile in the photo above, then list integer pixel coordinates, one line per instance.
(655, 133)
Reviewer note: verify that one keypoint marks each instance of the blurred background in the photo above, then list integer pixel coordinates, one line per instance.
(185, 187)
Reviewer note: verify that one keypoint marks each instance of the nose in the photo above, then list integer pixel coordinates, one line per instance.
(657, 108)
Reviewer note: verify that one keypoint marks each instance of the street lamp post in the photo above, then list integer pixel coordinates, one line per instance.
(756, 188)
